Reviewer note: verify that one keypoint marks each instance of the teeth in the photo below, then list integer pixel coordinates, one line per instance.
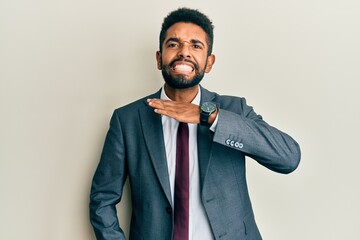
(183, 67)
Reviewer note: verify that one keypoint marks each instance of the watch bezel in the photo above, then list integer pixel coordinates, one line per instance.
(206, 112)
(210, 104)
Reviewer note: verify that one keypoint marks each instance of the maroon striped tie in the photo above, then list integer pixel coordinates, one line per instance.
(181, 197)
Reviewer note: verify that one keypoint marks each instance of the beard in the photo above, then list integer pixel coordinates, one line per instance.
(180, 81)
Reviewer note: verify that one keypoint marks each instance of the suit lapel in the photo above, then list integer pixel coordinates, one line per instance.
(204, 140)
(154, 139)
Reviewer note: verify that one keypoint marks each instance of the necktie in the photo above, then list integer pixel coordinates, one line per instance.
(181, 196)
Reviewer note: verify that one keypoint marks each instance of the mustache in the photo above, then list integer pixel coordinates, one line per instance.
(196, 67)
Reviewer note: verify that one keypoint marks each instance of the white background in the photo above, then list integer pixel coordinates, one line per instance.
(66, 65)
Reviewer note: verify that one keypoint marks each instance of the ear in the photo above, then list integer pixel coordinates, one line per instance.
(210, 63)
(158, 60)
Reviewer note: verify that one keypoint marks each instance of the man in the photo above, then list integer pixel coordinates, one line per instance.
(185, 163)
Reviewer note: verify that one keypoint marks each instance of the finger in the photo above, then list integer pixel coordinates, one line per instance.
(153, 103)
(157, 103)
(167, 105)
(163, 112)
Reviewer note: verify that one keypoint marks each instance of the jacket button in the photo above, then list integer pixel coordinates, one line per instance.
(169, 210)
(239, 145)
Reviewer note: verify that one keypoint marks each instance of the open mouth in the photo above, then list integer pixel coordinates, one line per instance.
(182, 68)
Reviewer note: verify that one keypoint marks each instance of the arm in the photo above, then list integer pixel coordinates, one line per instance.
(257, 139)
(107, 185)
(237, 122)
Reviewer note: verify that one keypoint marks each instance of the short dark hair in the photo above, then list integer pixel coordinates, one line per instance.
(188, 15)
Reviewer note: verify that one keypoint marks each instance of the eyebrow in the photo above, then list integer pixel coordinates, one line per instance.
(173, 39)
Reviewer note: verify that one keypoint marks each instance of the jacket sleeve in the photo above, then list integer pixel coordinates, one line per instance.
(240, 128)
(107, 185)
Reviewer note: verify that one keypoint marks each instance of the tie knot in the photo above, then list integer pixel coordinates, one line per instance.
(183, 126)
(183, 130)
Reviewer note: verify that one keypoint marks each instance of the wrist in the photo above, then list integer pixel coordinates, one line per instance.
(212, 117)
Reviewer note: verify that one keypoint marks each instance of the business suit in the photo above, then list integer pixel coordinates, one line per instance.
(134, 148)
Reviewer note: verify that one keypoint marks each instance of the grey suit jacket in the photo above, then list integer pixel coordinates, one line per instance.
(134, 148)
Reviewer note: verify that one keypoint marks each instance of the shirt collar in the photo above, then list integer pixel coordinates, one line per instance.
(196, 100)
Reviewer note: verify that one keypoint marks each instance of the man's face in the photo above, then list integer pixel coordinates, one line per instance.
(184, 59)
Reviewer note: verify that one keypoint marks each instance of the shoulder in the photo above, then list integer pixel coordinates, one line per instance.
(224, 101)
(137, 104)
(236, 104)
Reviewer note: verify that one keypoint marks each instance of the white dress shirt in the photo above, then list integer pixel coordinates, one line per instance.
(199, 226)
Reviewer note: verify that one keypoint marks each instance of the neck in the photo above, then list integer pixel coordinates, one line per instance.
(181, 95)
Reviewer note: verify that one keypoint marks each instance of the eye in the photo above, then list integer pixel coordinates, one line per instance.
(172, 45)
(196, 46)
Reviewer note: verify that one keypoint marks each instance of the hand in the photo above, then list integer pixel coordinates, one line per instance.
(180, 111)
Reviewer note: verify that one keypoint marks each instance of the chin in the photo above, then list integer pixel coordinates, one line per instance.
(188, 77)
(181, 81)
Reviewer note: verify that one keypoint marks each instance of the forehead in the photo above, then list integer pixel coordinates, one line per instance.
(186, 32)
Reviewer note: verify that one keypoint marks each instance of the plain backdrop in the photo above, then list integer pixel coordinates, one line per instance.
(66, 65)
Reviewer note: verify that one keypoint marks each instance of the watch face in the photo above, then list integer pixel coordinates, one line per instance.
(208, 107)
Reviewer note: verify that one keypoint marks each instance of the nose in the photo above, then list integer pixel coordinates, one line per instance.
(184, 51)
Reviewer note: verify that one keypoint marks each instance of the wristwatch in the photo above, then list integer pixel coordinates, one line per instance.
(206, 109)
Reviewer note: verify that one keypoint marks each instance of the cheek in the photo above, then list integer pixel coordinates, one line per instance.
(201, 59)
(164, 60)
(202, 64)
